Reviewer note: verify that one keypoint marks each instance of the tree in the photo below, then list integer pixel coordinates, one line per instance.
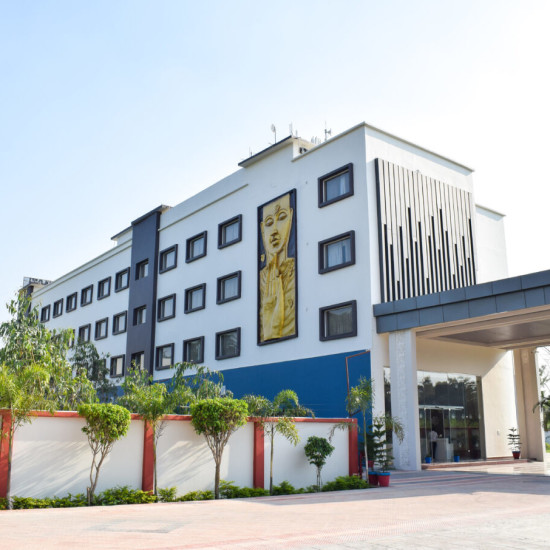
(382, 426)
(359, 400)
(105, 425)
(317, 450)
(217, 419)
(277, 416)
(87, 362)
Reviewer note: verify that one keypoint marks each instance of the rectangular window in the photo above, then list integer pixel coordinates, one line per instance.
(167, 308)
(58, 308)
(337, 252)
(195, 298)
(338, 321)
(101, 329)
(228, 343)
(142, 269)
(122, 279)
(70, 303)
(104, 288)
(117, 366)
(45, 314)
(230, 232)
(86, 295)
(336, 185)
(140, 315)
(84, 333)
(193, 350)
(165, 357)
(120, 321)
(229, 287)
(168, 259)
(138, 361)
(195, 247)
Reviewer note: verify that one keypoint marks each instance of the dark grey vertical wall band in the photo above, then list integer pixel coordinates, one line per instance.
(425, 234)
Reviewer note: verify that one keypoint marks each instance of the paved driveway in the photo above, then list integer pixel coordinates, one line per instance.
(432, 509)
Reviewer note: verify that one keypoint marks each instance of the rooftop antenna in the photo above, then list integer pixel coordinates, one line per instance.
(328, 131)
(290, 129)
(274, 130)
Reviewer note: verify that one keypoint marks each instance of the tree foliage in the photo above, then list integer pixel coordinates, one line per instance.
(216, 419)
(317, 450)
(277, 416)
(105, 424)
(359, 401)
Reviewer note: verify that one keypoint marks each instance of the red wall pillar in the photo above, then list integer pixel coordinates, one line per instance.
(148, 468)
(258, 469)
(353, 450)
(4, 452)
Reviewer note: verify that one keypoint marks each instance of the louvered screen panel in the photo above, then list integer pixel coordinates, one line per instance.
(425, 233)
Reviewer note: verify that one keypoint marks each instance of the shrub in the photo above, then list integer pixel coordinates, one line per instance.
(345, 483)
(229, 490)
(167, 495)
(284, 488)
(196, 495)
(124, 495)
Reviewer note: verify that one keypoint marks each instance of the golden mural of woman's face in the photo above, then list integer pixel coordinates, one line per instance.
(276, 224)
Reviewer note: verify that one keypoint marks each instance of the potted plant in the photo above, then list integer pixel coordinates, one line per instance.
(514, 442)
(383, 457)
(428, 459)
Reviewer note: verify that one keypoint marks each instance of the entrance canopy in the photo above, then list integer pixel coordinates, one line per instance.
(508, 314)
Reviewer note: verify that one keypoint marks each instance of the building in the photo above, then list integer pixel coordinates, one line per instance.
(308, 267)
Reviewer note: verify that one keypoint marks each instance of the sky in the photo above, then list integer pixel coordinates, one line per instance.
(111, 108)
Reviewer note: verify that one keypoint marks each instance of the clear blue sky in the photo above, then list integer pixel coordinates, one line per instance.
(109, 108)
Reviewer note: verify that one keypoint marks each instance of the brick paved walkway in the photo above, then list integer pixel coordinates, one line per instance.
(428, 510)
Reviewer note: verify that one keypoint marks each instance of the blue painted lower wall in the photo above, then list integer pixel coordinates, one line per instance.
(320, 382)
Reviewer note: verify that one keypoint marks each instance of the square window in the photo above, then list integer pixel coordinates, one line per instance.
(229, 288)
(70, 304)
(195, 247)
(165, 357)
(86, 295)
(338, 321)
(58, 308)
(195, 298)
(228, 343)
(167, 308)
(117, 366)
(84, 333)
(138, 361)
(122, 279)
(337, 252)
(45, 314)
(120, 321)
(193, 350)
(168, 259)
(104, 288)
(102, 329)
(230, 232)
(142, 270)
(140, 315)
(336, 185)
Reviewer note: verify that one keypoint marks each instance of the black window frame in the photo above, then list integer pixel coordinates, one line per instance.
(57, 309)
(322, 311)
(45, 314)
(219, 284)
(87, 327)
(132, 360)
(97, 326)
(188, 291)
(326, 177)
(158, 354)
(335, 239)
(118, 275)
(71, 298)
(138, 269)
(83, 292)
(160, 307)
(112, 373)
(185, 347)
(189, 242)
(223, 225)
(220, 357)
(115, 323)
(136, 313)
(101, 285)
(163, 254)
